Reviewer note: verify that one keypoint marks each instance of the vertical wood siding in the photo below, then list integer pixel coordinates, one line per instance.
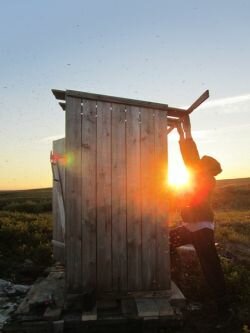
(104, 257)
(89, 229)
(73, 195)
(119, 221)
(134, 241)
(116, 202)
(57, 196)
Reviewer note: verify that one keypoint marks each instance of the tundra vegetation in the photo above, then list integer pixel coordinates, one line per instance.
(26, 233)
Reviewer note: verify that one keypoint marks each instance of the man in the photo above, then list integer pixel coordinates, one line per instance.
(197, 214)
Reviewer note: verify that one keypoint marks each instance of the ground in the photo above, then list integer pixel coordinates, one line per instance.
(25, 249)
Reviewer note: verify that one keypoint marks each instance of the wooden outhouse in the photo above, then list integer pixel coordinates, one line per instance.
(110, 201)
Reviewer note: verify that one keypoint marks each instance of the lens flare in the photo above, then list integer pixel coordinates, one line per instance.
(178, 178)
(66, 160)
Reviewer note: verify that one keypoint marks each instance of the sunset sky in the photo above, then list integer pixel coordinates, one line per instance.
(157, 50)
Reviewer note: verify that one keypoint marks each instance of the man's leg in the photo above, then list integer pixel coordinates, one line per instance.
(203, 241)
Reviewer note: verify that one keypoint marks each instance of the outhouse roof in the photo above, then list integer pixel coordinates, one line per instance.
(173, 113)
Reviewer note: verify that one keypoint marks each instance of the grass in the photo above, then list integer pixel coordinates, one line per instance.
(26, 233)
(29, 201)
(232, 217)
(233, 226)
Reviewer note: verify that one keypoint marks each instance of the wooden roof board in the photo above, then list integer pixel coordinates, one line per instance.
(172, 111)
(119, 100)
(59, 94)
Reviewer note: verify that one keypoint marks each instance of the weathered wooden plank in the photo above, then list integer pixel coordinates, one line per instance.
(104, 258)
(148, 200)
(114, 99)
(89, 130)
(164, 307)
(119, 228)
(59, 94)
(58, 199)
(90, 315)
(129, 308)
(62, 105)
(134, 241)
(198, 102)
(57, 230)
(162, 247)
(176, 296)
(58, 244)
(146, 307)
(57, 191)
(73, 194)
(60, 148)
(52, 314)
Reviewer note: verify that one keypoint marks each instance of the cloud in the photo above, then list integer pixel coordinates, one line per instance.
(49, 139)
(228, 101)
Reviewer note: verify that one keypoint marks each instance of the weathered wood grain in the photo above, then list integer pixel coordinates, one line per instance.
(73, 194)
(161, 155)
(104, 257)
(134, 240)
(146, 307)
(148, 199)
(119, 228)
(58, 199)
(89, 230)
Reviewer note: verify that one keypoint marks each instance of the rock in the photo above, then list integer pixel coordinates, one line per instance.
(9, 289)
(28, 263)
(3, 285)
(194, 306)
(5, 312)
(21, 289)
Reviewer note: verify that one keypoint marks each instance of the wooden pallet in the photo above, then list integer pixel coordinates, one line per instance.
(45, 309)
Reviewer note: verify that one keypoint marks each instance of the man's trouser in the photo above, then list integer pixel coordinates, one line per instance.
(203, 242)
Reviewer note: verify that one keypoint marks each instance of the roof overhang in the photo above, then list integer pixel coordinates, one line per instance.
(174, 114)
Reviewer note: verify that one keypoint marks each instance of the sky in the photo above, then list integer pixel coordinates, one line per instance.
(157, 50)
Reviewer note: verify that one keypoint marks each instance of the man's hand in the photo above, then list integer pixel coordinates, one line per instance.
(180, 130)
(187, 126)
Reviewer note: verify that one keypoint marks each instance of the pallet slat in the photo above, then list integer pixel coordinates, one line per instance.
(146, 307)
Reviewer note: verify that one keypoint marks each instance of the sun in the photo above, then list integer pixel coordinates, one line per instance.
(178, 178)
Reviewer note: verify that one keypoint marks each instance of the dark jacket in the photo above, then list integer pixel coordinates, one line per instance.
(197, 202)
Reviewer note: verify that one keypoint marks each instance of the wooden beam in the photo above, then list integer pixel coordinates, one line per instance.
(119, 100)
(194, 106)
(198, 102)
(172, 111)
(172, 122)
(62, 105)
(59, 94)
(170, 128)
(176, 112)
